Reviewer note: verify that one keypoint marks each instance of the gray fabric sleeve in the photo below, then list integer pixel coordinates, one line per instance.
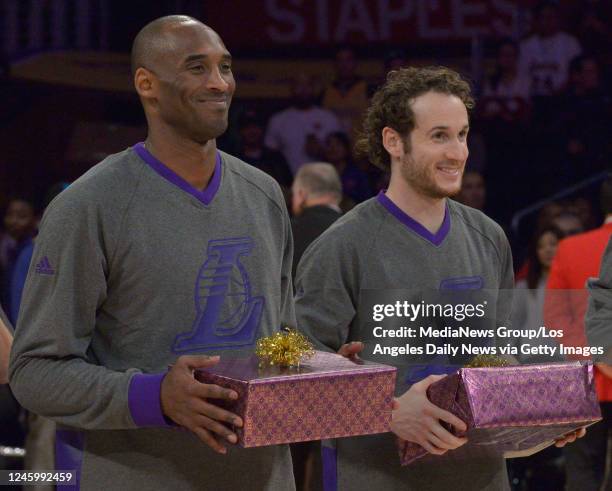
(598, 320)
(52, 371)
(325, 302)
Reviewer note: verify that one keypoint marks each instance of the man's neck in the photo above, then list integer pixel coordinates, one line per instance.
(329, 201)
(428, 211)
(192, 161)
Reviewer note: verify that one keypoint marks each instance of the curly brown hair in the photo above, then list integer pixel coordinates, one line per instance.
(392, 106)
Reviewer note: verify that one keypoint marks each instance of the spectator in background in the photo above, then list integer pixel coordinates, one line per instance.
(591, 21)
(584, 210)
(347, 96)
(19, 226)
(253, 151)
(503, 106)
(568, 222)
(506, 90)
(315, 203)
(355, 183)
(583, 121)
(299, 131)
(546, 54)
(473, 190)
(528, 303)
(555, 214)
(579, 258)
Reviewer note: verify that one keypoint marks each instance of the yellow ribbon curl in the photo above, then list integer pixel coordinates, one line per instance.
(284, 349)
(484, 361)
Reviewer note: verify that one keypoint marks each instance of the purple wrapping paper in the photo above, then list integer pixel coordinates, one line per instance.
(329, 396)
(514, 409)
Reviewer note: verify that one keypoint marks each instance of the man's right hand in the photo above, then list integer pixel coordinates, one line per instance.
(186, 402)
(417, 420)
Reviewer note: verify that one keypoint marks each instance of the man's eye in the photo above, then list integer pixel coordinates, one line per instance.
(226, 67)
(196, 68)
(439, 136)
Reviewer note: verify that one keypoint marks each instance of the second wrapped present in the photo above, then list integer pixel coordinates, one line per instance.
(514, 411)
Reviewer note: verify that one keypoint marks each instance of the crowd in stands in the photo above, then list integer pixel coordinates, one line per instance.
(539, 127)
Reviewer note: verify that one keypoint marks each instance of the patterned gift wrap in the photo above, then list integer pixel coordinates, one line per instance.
(513, 411)
(328, 396)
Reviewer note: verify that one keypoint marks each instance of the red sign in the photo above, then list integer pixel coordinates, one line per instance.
(245, 22)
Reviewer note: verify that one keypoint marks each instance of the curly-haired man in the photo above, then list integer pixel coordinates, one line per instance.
(409, 237)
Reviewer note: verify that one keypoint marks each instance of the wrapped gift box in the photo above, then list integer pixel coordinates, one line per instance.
(328, 396)
(514, 411)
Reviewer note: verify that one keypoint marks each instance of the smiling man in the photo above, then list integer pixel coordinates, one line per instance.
(410, 237)
(166, 254)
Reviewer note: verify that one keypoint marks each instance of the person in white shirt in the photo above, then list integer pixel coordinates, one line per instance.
(545, 55)
(299, 131)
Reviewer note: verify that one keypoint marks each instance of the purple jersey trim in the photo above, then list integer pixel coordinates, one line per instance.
(69, 446)
(205, 196)
(144, 400)
(330, 468)
(436, 239)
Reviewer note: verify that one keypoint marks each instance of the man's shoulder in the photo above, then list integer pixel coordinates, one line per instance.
(475, 220)
(107, 181)
(101, 195)
(250, 176)
(355, 227)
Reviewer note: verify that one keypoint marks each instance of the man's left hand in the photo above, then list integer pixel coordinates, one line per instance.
(351, 350)
(570, 437)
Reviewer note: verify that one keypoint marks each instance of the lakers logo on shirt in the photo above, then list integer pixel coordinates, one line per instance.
(227, 315)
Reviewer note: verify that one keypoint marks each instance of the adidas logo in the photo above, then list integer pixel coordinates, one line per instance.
(44, 266)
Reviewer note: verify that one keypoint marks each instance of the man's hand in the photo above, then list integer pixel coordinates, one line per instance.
(186, 402)
(417, 420)
(351, 350)
(570, 437)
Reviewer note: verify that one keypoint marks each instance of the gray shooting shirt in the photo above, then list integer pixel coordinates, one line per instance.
(134, 267)
(377, 247)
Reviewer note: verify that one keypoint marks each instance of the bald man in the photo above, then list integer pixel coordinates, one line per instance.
(167, 254)
(316, 194)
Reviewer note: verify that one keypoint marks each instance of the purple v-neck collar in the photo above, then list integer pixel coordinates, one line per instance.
(436, 239)
(206, 196)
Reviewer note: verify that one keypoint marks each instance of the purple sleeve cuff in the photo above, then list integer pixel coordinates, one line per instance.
(144, 400)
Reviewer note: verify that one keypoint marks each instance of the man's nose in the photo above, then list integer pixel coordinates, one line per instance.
(216, 81)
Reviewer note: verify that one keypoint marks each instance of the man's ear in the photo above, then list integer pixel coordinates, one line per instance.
(393, 143)
(144, 81)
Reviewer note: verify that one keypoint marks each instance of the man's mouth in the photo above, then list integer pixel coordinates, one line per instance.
(220, 102)
(450, 170)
